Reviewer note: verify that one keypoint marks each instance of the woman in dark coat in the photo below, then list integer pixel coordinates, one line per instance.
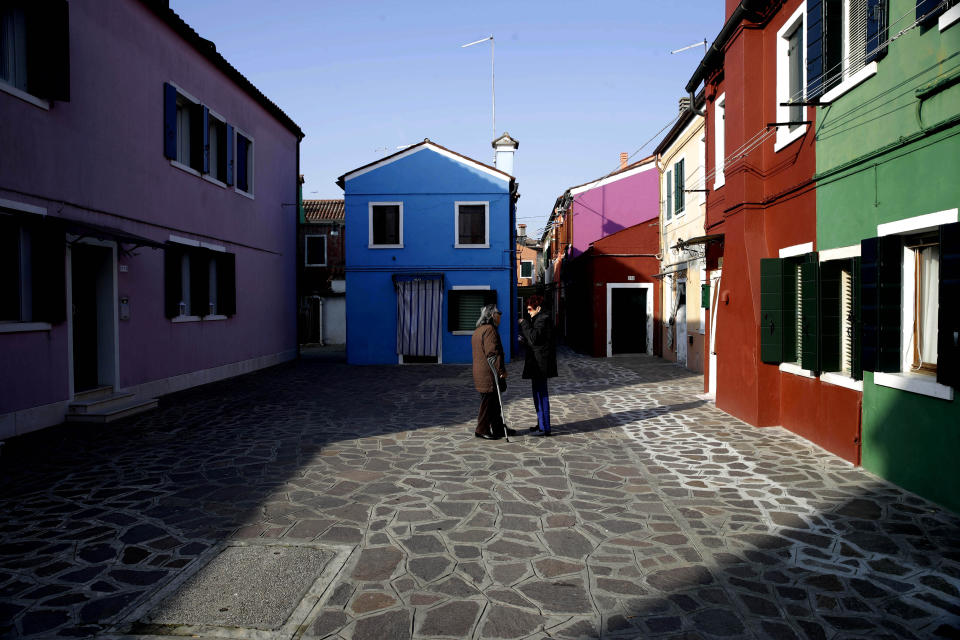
(541, 358)
(486, 344)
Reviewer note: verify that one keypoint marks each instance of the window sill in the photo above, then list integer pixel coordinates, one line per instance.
(384, 246)
(185, 167)
(24, 327)
(719, 183)
(186, 319)
(949, 18)
(797, 370)
(23, 95)
(785, 140)
(315, 265)
(471, 246)
(848, 84)
(215, 181)
(462, 333)
(244, 193)
(842, 381)
(215, 316)
(914, 383)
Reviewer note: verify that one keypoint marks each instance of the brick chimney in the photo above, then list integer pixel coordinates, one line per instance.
(624, 156)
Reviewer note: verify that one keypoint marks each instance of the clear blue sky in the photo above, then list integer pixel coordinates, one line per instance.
(576, 82)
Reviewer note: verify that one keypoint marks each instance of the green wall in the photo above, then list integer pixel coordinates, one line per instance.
(880, 159)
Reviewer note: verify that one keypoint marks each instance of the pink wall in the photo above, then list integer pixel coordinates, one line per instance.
(99, 159)
(607, 209)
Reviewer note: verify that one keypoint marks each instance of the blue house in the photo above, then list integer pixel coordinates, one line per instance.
(429, 240)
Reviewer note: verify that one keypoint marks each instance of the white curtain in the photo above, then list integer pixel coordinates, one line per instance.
(418, 317)
(928, 281)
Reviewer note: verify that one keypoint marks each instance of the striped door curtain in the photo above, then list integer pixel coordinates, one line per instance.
(419, 301)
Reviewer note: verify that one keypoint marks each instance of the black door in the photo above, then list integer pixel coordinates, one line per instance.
(85, 268)
(628, 322)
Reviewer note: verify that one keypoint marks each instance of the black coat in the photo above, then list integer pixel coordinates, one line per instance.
(541, 356)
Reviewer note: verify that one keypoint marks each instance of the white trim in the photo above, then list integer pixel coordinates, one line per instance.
(215, 316)
(461, 333)
(719, 150)
(629, 285)
(212, 180)
(186, 319)
(432, 147)
(23, 95)
(532, 270)
(22, 206)
(471, 287)
(237, 131)
(918, 223)
(182, 240)
(841, 380)
(848, 84)
(797, 370)
(23, 327)
(370, 244)
(456, 225)
(213, 247)
(840, 253)
(949, 17)
(914, 383)
(187, 168)
(784, 136)
(647, 166)
(796, 250)
(240, 192)
(305, 243)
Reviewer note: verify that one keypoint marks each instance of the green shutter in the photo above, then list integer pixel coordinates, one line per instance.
(704, 296)
(856, 368)
(810, 313)
(771, 310)
(869, 308)
(889, 302)
(679, 181)
(831, 316)
(948, 339)
(669, 194)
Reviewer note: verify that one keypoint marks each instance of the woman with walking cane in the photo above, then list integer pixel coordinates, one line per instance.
(486, 345)
(541, 359)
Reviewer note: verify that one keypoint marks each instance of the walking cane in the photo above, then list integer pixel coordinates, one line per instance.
(496, 385)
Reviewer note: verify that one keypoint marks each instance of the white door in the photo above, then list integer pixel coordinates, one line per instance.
(714, 309)
(682, 322)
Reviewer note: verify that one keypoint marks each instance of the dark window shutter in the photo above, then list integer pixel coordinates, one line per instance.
(877, 21)
(200, 283)
(49, 280)
(810, 313)
(929, 10)
(169, 121)
(48, 49)
(242, 163)
(869, 303)
(227, 284)
(704, 296)
(171, 281)
(205, 128)
(832, 48)
(453, 309)
(230, 145)
(831, 316)
(890, 303)
(948, 339)
(669, 194)
(771, 310)
(856, 369)
(679, 182)
(814, 49)
(221, 152)
(198, 134)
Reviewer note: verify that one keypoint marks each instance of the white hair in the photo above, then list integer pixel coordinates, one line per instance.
(486, 314)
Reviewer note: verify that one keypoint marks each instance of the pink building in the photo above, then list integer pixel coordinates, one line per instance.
(147, 214)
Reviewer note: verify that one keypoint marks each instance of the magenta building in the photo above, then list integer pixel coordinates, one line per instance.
(147, 213)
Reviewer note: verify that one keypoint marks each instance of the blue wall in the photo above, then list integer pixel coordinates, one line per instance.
(428, 184)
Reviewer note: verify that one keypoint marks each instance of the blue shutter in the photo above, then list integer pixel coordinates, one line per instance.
(876, 29)
(241, 162)
(814, 49)
(928, 10)
(948, 339)
(229, 154)
(169, 121)
(206, 140)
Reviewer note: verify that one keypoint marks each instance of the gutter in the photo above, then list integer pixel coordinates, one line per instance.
(746, 8)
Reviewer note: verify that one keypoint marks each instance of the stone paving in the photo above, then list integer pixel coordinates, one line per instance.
(649, 514)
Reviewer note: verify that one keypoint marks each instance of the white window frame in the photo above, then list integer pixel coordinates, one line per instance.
(836, 377)
(848, 81)
(950, 17)
(370, 244)
(907, 380)
(237, 131)
(183, 166)
(532, 272)
(798, 20)
(794, 367)
(468, 287)
(306, 251)
(17, 92)
(719, 140)
(456, 225)
(210, 177)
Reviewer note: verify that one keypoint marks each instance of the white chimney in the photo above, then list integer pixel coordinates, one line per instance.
(505, 147)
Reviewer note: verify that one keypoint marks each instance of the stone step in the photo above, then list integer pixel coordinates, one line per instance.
(113, 411)
(90, 394)
(99, 403)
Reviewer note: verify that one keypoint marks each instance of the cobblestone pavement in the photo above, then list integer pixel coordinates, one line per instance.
(648, 514)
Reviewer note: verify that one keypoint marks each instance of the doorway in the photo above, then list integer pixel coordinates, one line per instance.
(714, 309)
(629, 318)
(681, 322)
(93, 316)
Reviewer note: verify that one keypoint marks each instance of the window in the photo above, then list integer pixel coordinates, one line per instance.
(789, 312)
(386, 224)
(719, 139)
(190, 140)
(202, 142)
(526, 269)
(844, 38)
(32, 281)
(790, 79)
(464, 306)
(34, 50)
(679, 178)
(217, 144)
(839, 317)
(315, 251)
(244, 164)
(472, 224)
(922, 267)
(199, 283)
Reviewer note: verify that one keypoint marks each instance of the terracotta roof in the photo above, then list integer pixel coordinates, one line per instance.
(316, 210)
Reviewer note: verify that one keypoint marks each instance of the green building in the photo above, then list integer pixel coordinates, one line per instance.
(885, 76)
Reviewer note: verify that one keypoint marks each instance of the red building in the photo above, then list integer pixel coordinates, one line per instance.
(761, 201)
